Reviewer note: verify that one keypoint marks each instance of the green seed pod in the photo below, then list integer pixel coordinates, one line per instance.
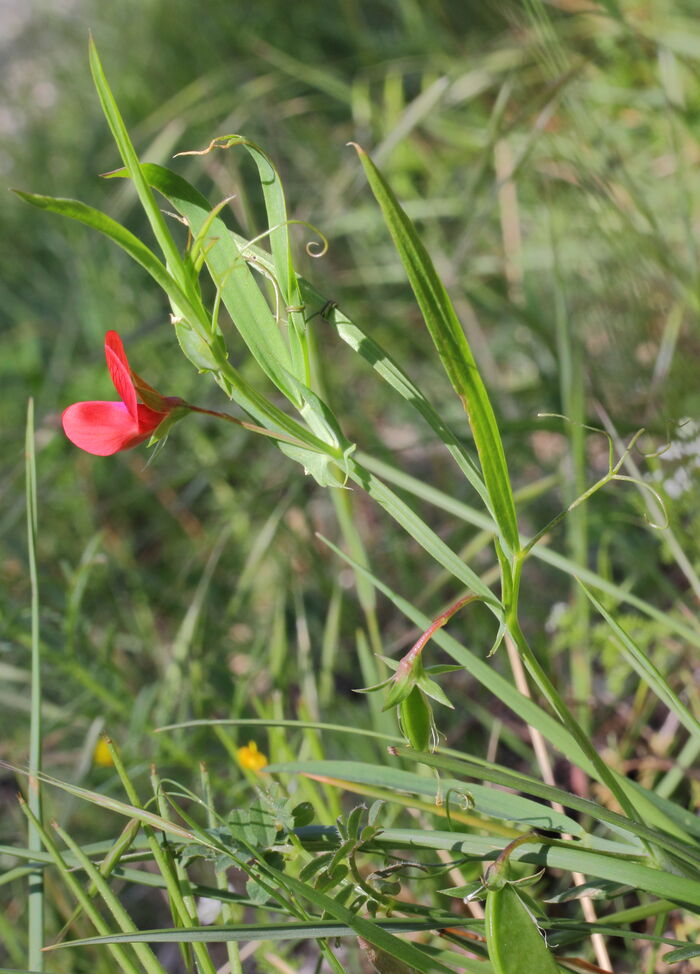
(515, 944)
(416, 720)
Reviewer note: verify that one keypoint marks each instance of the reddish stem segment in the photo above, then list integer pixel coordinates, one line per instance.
(414, 652)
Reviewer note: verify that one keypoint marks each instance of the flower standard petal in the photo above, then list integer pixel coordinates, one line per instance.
(104, 428)
(119, 370)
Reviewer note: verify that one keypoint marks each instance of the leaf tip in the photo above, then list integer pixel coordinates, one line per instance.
(358, 148)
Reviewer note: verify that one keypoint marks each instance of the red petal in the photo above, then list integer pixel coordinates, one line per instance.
(104, 428)
(118, 365)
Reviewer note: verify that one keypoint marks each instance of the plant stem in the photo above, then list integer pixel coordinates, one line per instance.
(36, 877)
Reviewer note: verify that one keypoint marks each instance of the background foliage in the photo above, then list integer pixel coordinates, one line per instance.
(549, 157)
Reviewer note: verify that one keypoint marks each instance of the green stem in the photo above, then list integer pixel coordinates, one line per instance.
(36, 877)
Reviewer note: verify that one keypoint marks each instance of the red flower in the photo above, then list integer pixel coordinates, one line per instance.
(104, 428)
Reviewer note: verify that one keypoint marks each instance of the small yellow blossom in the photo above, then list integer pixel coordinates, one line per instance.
(250, 758)
(102, 756)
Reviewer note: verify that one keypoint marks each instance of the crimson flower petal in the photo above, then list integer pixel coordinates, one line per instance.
(118, 365)
(104, 428)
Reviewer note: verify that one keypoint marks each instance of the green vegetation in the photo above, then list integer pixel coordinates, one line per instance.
(470, 345)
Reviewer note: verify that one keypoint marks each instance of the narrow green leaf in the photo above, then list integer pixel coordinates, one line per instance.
(646, 669)
(36, 877)
(273, 722)
(276, 209)
(487, 801)
(453, 349)
(403, 950)
(683, 953)
(286, 930)
(393, 374)
(114, 805)
(515, 944)
(131, 161)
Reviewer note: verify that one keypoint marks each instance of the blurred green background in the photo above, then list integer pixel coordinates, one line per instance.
(549, 154)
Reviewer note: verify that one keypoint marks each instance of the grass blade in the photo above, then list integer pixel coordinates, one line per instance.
(131, 161)
(288, 930)
(647, 670)
(36, 877)
(454, 351)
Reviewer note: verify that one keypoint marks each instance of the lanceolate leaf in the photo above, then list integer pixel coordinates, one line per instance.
(453, 349)
(131, 161)
(391, 372)
(125, 239)
(276, 208)
(286, 930)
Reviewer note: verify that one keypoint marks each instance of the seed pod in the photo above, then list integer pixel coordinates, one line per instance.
(416, 720)
(515, 944)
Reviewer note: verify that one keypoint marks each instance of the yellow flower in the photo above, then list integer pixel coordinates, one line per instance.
(250, 758)
(102, 756)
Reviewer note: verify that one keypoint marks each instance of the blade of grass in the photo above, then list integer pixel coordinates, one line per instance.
(420, 532)
(647, 670)
(454, 351)
(404, 951)
(394, 375)
(143, 255)
(122, 918)
(572, 400)
(162, 859)
(123, 958)
(36, 878)
(131, 161)
(289, 930)
(276, 208)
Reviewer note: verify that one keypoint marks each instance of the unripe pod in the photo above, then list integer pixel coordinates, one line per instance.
(515, 944)
(416, 720)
